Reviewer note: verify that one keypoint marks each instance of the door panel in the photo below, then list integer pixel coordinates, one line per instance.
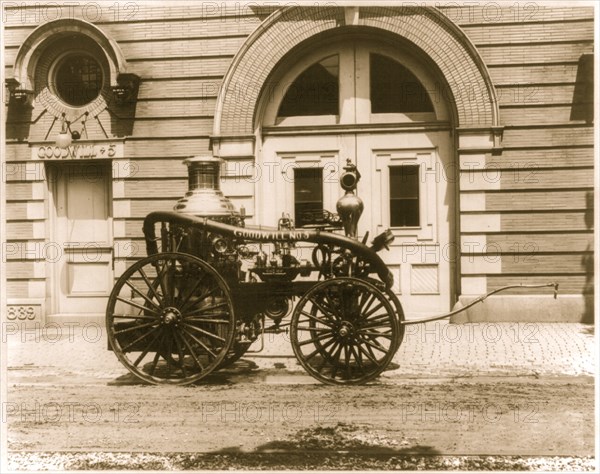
(82, 226)
(86, 208)
(284, 154)
(84, 278)
(421, 256)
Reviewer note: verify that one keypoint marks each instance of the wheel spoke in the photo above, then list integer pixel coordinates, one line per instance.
(191, 351)
(202, 331)
(136, 305)
(358, 358)
(207, 320)
(374, 344)
(332, 349)
(369, 354)
(147, 349)
(305, 328)
(314, 318)
(318, 350)
(377, 334)
(332, 311)
(137, 316)
(180, 352)
(347, 360)
(314, 339)
(378, 318)
(183, 304)
(161, 282)
(132, 343)
(200, 342)
(150, 285)
(376, 325)
(200, 299)
(331, 303)
(327, 356)
(370, 301)
(379, 306)
(326, 313)
(207, 308)
(364, 297)
(142, 295)
(136, 328)
(336, 359)
(167, 354)
(157, 355)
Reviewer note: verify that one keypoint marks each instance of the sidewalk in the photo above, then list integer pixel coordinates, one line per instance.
(78, 354)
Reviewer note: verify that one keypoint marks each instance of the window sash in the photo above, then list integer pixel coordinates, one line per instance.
(308, 195)
(404, 199)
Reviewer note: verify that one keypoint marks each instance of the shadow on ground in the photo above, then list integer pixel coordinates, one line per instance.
(226, 376)
(347, 437)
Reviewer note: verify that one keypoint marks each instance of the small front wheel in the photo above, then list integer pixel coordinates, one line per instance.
(170, 319)
(344, 331)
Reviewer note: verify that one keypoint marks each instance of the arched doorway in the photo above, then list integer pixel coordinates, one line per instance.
(250, 129)
(377, 104)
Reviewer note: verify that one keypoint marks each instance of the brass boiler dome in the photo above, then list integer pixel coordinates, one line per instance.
(204, 197)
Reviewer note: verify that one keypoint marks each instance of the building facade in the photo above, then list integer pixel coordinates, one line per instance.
(472, 128)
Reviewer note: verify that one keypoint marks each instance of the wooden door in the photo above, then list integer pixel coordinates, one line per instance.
(407, 186)
(82, 227)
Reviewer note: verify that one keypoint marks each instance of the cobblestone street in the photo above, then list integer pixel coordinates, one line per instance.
(438, 349)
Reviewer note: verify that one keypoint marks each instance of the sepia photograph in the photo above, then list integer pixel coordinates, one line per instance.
(300, 236)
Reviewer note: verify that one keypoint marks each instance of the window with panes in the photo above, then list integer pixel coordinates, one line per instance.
(392, 90)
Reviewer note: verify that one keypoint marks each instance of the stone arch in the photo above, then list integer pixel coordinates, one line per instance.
(425, 27)
(31, 50)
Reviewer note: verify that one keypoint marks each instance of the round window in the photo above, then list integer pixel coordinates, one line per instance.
(78, 79)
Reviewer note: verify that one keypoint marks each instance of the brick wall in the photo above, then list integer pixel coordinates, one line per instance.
(547, 163)
(182, 53)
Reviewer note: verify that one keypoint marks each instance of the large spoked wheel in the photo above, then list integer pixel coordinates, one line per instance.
(344, 331)
(170, 319)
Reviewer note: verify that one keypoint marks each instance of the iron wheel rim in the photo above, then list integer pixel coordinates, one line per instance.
(177, 331)
(349, 340)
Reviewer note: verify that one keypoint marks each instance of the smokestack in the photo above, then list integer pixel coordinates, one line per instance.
(204, 197)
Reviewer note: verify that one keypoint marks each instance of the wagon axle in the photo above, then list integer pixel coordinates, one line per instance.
(171, 316)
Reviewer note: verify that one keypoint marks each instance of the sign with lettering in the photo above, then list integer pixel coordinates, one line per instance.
(23, 312)
(271, 235)
(78, 151)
